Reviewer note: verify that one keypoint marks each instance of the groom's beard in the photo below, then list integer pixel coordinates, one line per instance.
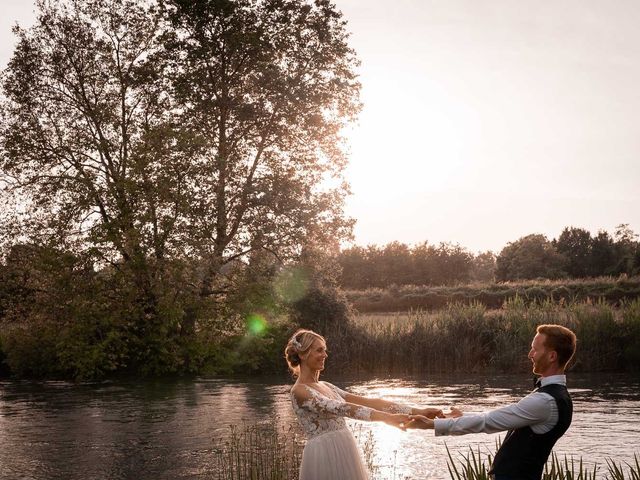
(540, 366)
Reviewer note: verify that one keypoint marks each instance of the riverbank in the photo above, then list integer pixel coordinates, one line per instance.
(611, 290)
(457, 338)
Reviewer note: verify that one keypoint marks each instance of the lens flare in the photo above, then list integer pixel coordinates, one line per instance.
(256, 324)
(291, 284)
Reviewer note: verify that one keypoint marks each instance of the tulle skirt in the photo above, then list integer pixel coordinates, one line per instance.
(333, 456)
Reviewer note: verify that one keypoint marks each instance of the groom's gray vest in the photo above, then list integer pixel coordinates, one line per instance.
(523, 452)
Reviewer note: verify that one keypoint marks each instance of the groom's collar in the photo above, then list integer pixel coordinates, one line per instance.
(561, 379)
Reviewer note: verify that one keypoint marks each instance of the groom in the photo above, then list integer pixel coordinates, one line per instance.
(535, 423)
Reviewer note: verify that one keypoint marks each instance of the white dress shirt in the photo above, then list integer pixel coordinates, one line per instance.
(537, 410)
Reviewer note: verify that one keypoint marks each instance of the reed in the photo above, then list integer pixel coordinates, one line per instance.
(472, 466)
(368, 445)
(617, 472)
(475, 466)
(471, 338)
(257, 452)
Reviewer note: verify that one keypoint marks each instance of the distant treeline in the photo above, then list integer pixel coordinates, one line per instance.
(574, 254)
(609, 290)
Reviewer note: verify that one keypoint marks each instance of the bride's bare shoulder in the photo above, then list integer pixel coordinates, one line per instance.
(300, 390)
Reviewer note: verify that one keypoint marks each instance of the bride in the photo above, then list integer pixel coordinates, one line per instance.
(331, 451)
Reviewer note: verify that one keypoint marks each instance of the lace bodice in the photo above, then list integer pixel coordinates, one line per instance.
(320, 414)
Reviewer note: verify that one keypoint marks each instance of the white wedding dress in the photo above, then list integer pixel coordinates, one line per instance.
(331, 452)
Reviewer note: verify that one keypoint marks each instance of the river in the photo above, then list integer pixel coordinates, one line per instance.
(167, 429)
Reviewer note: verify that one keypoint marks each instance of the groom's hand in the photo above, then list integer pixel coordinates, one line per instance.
(419, 421)
(430, 412)
(454, 413)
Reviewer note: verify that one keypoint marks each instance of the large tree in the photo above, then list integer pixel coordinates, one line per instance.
(149, 131)
(89, 149)
(603, 254)
(186, 147)
(265, 88)
(627, 249)
(532, 256)
(483, 267)
(575, 244)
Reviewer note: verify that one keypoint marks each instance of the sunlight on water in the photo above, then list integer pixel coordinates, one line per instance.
(419, 454)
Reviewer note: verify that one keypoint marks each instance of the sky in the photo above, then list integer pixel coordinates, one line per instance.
(484, 121)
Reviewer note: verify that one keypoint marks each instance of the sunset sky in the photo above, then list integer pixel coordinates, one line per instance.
(485, 121)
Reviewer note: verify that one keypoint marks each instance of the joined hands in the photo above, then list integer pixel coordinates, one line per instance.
(425, 422)
(422, 420)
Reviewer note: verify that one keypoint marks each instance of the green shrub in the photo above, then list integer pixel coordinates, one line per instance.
(536, 294)
(31, 352)
(562, 294)
(323, 309)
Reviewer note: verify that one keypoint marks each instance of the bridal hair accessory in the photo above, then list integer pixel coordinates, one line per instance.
(296, 344)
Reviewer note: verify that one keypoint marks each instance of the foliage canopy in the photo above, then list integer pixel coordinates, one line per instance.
(180, 148)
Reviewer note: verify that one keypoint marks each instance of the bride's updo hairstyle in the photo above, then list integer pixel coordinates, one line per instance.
(299, 343)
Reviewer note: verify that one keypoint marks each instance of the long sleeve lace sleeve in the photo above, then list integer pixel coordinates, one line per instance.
(398, 408)
(391, 407)
(313, 401)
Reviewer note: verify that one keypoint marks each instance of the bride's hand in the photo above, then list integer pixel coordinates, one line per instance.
(397, 420)
(419, 421)
(430, 412)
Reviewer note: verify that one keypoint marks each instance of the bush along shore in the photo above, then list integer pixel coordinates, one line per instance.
(459, 338)
(611, 290)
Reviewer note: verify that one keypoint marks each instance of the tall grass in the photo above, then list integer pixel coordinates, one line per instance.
(257, 452)
(617, 472)
(472, 338)
(473, 466)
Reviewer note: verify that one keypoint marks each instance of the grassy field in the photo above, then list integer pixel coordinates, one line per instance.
(613, 291)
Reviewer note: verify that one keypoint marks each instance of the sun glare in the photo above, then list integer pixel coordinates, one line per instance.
(407, 143)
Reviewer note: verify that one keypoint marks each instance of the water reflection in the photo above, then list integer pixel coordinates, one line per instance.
(602, 409)
(168, 430)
